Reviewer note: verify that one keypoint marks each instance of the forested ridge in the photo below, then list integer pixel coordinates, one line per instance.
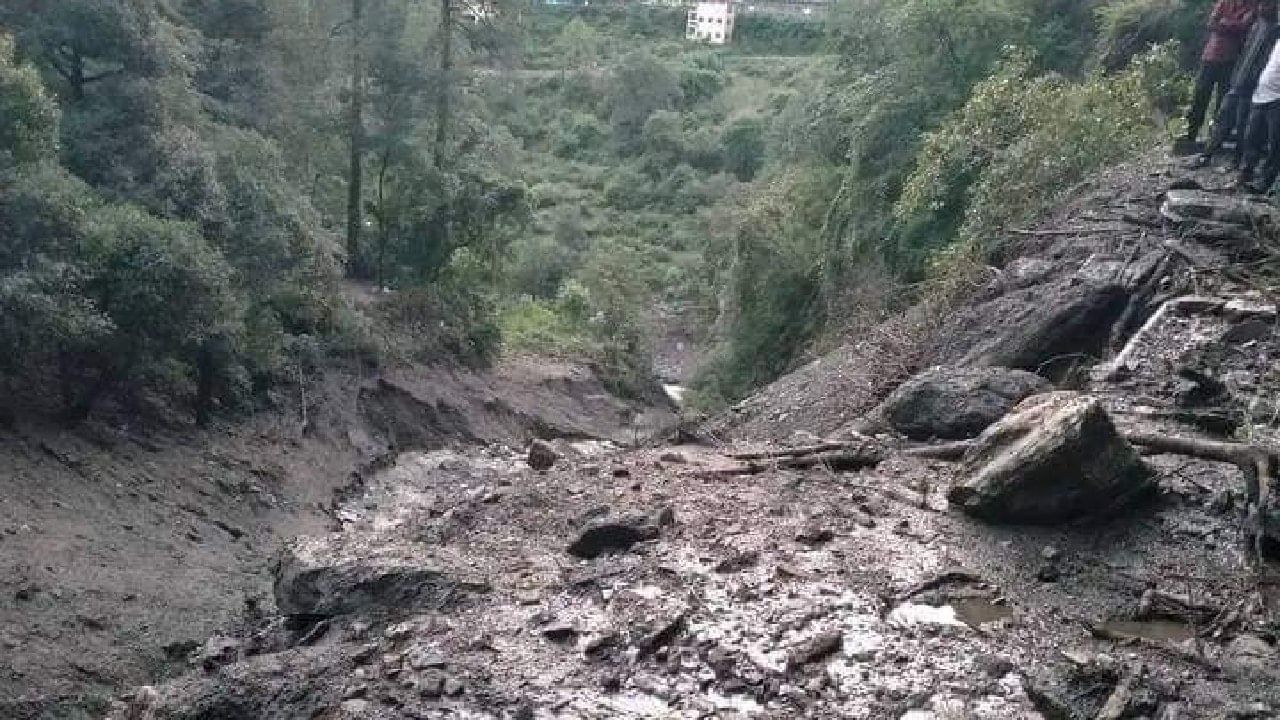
(201, 202)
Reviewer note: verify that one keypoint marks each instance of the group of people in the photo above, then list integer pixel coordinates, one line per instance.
(1240, 67)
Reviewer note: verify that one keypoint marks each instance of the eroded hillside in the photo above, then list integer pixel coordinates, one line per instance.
(810, 558)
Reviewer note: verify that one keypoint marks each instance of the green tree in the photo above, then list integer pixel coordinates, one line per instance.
(743, 147)
(28, 116)
(642, 85)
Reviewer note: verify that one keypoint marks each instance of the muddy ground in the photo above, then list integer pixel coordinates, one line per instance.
(124, 545)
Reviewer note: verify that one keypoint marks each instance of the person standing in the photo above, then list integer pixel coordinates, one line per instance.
(1233, 117)
(1228, 24)
(1262, 136)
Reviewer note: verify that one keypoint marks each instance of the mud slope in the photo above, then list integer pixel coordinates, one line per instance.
(122, 548)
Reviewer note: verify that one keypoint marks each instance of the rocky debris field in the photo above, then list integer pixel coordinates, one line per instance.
(682, 582)
(124, 546)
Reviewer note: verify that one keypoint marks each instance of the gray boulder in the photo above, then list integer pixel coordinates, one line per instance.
(954, 403)
(1062, 322)
(1056, 457)
(336, 575)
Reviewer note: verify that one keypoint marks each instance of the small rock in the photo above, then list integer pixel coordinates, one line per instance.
(814, 533)
(676, 458)
(453, 688)
(560, 634)
(621, 472)
(365, 654)
(542, 455)
(424, 659)
(431, 685)
(611, 682)
(613, 534)
(1050, 553)
(816, 648)
(355, 706)
(737, 561)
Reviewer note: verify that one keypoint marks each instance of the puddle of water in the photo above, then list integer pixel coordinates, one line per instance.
(975, 613)
(1151, 630)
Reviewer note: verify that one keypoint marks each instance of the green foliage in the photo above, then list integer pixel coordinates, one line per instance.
(641, 85)
(28, 117)
(743, 142)
(1018, 142)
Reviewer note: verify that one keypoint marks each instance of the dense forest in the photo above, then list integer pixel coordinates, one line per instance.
(203, 202)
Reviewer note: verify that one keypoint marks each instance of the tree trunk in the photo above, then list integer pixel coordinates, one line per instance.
(355, 184)
(443, 98)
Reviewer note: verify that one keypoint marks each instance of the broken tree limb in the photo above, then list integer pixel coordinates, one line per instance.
(793, 452)
(1115, 706)
(943, 451)
(840, 461)
(1186, 304)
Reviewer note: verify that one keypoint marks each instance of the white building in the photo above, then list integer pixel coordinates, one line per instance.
(710, 22)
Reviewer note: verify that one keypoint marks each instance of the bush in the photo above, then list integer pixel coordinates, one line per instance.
(1019, 141)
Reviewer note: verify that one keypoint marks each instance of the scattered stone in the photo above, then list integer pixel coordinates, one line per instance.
(816, 648)
(327, 576)
(431, 685)
(560, 634)
(954, 403)
(738, 561)
(218, 650)
(356, 707)
(365, 654)
(815, 533)
(542, 455)
(673, 457)
(426, 659)
(1057, 457)
(1250, 654)
(614, 534)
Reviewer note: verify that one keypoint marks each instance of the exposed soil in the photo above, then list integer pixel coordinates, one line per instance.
(122, 548)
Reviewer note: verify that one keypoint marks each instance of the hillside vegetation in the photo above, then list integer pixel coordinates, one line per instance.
(202, 202)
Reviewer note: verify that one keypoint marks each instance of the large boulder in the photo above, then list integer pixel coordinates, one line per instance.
(338, 574)
(954, 403)
(1062, 322)
(1056, 457)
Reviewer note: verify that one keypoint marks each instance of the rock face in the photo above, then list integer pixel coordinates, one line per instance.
(323, 577)
(954, 403)
(1056, 457)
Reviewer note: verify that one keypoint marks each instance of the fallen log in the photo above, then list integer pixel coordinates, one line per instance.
(840, 461)
(792, 452)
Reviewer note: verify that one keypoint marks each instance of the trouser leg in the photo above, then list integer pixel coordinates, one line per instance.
(1271, 167)
(1200, 99)
(1255, 140)
(1224, 123)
